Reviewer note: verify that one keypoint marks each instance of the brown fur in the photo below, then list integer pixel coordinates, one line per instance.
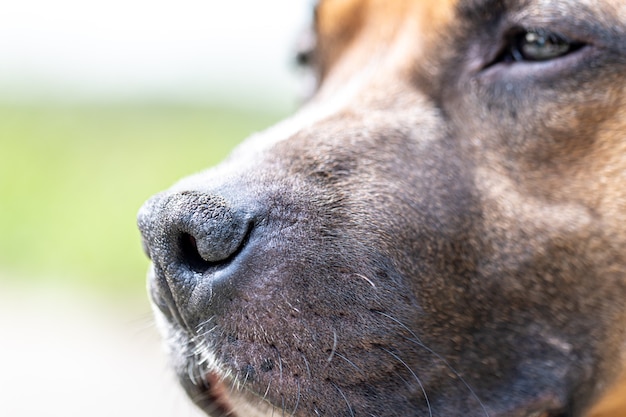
(439, 231)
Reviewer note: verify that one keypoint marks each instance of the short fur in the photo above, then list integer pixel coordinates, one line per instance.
(439, 231)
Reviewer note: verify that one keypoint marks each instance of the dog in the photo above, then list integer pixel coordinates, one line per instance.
(440, 230)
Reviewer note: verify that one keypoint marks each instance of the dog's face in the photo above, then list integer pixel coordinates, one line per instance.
(440, 231)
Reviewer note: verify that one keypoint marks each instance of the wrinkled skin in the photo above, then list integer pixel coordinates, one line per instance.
(440, 230)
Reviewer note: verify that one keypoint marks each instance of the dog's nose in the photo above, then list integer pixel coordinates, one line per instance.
(192, 230)
(190, 238)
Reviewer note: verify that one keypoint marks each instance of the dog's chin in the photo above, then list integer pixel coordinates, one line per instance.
(212, 386)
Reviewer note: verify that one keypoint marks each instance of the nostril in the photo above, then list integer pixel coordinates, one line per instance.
(190, 255)
(194, 231)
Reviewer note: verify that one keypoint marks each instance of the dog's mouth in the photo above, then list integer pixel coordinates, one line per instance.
(218, 392)
(213, 386)
(219, 396)
(217, 399)
(211, 394)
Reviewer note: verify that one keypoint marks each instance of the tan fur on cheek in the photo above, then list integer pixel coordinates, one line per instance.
(381, 37)
(613, 404)
(611, 169)
(602, 178)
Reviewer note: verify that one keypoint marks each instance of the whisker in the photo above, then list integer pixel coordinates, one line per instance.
(141, 325)
(344, 398)
(207, 332)
(455, 373)
(267, 390)
(293, 413)
(245, 379)
(234, 385)
(349, 361)
(418, 342)
(191, 373)
(419, 382)
(400, 324)
(306, 364)
(204, 323)
(399, 376)
(292, 307)
(280, 367)
(332, 352)
(369, 281)
(282, 399)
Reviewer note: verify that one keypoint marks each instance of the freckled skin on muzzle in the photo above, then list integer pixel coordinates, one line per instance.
(438, 232)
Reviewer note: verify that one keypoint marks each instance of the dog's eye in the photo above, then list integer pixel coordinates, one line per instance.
(538, 45)
(304, 58)
(306, 50)
(307, 60)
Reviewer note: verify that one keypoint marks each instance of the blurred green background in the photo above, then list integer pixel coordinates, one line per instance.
(72, 178)
(76, 330)
(103, 104)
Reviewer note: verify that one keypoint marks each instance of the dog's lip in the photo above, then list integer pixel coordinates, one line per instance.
(220, 396)
(213, 397)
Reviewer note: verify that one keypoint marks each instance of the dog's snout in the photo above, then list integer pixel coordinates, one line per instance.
(192, 232)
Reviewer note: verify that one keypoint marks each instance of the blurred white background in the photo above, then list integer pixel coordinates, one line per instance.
(186, 49)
